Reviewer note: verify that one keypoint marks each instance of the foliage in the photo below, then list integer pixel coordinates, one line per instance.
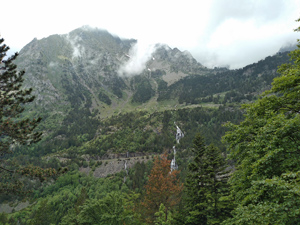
(138, 176)
(264, 194)
(162, 218)
(112, 209)
(15, 129)
(143, 92)
(74, 197)
(141, 131)
(104, 98)
(206, 185)
(163, 187)
(237, 85)
(265, 147)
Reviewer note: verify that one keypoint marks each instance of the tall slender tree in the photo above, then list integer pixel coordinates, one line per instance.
(206, 185)
(14, 129)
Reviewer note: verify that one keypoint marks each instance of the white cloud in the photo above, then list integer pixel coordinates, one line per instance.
(139, 54)
(216, 32)
(78, 49)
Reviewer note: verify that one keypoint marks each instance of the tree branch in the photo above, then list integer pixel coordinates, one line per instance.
(2, 168)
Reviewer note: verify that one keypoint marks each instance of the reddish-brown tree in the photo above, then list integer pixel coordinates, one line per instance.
(163, 186)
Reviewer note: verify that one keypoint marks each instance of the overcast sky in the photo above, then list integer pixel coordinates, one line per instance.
(216, 32)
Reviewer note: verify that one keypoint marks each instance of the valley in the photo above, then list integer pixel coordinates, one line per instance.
(108, 131)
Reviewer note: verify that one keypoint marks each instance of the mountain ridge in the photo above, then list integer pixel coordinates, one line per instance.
(78, 85)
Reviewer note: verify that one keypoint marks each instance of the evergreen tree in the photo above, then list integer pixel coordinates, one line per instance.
(14, 129)
(12, 100)
(207, 191)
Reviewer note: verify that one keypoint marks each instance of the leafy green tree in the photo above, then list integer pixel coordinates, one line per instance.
(71, 217)
(265, 148)
(162, 218)
(42, 216)
(109, 210)
(206, 185)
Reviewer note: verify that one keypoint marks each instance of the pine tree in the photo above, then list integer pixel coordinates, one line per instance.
(12, 100)
(207, 191)
(15, 130)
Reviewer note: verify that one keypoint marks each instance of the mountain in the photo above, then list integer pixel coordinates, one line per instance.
(107, 113)
(239, 85)
(288, 47)
(84, 87)
(81, 68)
(77, 82)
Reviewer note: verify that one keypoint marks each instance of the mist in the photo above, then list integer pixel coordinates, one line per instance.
(139, 54)
(216, 33)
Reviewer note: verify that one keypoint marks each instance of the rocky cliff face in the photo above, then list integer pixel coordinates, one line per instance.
(113, 166)
(81, 69)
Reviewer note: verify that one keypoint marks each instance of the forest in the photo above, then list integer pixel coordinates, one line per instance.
(237, 163)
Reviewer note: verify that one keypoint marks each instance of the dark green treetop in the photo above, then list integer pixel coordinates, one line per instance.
(206, 185)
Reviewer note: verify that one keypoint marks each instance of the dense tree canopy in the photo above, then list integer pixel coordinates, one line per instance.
(265, 147)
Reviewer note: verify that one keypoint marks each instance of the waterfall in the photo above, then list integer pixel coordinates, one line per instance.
(179, 135)
(125, 167)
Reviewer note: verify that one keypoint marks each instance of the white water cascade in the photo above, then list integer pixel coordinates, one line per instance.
(125, 167)
(179, 135)
(174, 166)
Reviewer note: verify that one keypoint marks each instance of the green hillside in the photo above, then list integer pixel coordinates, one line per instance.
(107, 131)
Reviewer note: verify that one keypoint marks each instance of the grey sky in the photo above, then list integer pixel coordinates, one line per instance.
(216, 32)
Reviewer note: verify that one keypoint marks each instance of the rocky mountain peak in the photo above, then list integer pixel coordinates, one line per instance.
(81, 70)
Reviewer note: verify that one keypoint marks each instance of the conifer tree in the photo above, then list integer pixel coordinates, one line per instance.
(207, 191)
(12, 100)
(15, 130)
